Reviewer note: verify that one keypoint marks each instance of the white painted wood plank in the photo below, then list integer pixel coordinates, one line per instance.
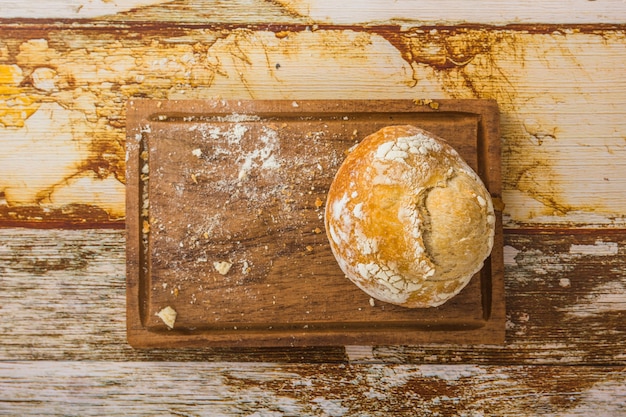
(352, 12)
(562, 97)
(70, 9)
(201, 12)
(63, 290)
(457, 12)
(256, 389)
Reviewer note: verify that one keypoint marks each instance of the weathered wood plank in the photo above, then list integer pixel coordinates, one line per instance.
(565, 302)
(183, 11)
(64, 299)
(64, 291)
(423, 12)
(561, 93)
(456, 12)
(196, 388)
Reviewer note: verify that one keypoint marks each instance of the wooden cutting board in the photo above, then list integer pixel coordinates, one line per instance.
(225, 203)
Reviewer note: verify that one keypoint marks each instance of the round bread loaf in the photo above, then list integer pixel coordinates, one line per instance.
(408, 220)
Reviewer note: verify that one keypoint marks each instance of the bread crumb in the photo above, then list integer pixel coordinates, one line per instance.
(426, 102)
(318, 202)
(309, 248)
(197, 152)
(222, 267)
(317, 230)
(372, 302)
(168, 315)
(246, 267)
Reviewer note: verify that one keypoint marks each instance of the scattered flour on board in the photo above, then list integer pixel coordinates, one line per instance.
(263, 157)
(238, 164)
(249, 153)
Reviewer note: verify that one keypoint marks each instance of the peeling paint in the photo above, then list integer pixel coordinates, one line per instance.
(451, 373)
(16, 104)
(452, 12)
(509, 255)
(599, 248)
(69, 8)
(599, 399)
(606, 298)
(31, 167)
(88, 189)
(546, 123)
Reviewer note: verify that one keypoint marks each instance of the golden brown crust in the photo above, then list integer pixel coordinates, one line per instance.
(408, 220)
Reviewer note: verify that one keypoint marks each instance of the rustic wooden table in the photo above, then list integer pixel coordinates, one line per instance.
(556, 71)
